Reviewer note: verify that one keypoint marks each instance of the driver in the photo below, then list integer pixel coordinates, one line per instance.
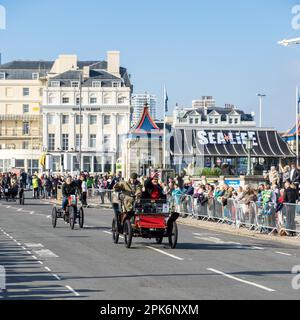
(130, 189)
(69, 188)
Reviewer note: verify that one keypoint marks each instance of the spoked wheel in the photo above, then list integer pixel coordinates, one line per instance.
(54, 217)
(173, 237)
(81, 218)
(128, 233)
(115, 232)
(72, 217)
(159, 240)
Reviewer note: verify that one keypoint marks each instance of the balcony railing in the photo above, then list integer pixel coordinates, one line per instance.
(20, 117)
(19, 133)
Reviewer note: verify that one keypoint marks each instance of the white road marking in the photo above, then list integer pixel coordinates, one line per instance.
(284, 254)
(48, 217)
(108, 232)
(48, 269)
(23, 248)
(40, 262)
(258, 248)
(219, 241)
(8, 207)
(72, 290)
(56, 276)
(241, 280)
(45, 253)
(19, 244)
(165, 253)
(28, 252)
(31, 212)
(205, 234)
(34, 245)
(34, 257)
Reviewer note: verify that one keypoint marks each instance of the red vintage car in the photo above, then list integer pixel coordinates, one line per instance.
(151, 220)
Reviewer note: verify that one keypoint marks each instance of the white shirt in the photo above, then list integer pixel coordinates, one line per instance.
(291, 174)
(84, 186)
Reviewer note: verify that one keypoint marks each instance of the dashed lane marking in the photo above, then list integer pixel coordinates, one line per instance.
(283, 254)
(241, 280)
(34, 245)
(45, 253)
(72, 290)
(165, 253)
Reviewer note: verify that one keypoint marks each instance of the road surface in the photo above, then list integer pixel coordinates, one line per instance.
(43, 263)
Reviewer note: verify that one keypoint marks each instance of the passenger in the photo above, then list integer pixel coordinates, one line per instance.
(153, 190)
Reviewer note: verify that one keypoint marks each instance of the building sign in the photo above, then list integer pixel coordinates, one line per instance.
(226, 137)
(233, 183)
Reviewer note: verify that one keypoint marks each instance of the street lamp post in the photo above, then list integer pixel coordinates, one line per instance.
(80, 124)
(261, 96)
(249, 147)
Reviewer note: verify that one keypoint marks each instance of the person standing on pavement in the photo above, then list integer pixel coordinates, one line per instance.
(294, 175)
(35, 186)
(290, 198)
(84, 191)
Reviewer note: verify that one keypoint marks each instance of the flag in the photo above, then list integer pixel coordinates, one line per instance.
(166, 99)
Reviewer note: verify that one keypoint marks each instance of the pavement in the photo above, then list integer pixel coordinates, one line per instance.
(43, 263)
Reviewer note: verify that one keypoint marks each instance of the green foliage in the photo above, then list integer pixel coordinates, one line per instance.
(208, 172)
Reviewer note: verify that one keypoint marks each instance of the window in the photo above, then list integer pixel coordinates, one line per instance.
(74, 84)
(93, 119)
(25, 128)
(78, 119)
(191, 121)
(25, 108)
(41, 92)
(65, 142)
(20, 164)
(106, 98)
(65, 100)
(107, 142)
(116, 84)
(93, 100)
(9, 92)
(51, 99)
(92, 142)
(2, 76)
(196, 121)
(121, 120)
(50, 119)
(65, 119)
(216, 120)
(51, 142)
(77, 142)
(55, 83)
(26, 92)
(230, 121)
(35, 76)
(236, 121)
(25, 145)
(77, 100)
(107, 120)
(211, 121)
(96, 84)
(121, 99)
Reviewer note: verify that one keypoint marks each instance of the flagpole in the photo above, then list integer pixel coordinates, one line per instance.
(164, 151)
(297, 126)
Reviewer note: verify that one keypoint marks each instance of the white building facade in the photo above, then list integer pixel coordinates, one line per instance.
(89, 139)
(138, 102)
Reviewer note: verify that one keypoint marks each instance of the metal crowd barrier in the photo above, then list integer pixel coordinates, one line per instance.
(265, 218)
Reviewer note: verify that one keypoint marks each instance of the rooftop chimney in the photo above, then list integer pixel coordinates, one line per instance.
(113, 63)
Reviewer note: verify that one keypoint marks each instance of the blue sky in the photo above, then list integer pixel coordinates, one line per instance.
(227, 49)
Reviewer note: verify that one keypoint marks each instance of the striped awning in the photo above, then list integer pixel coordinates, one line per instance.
(229, 143)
